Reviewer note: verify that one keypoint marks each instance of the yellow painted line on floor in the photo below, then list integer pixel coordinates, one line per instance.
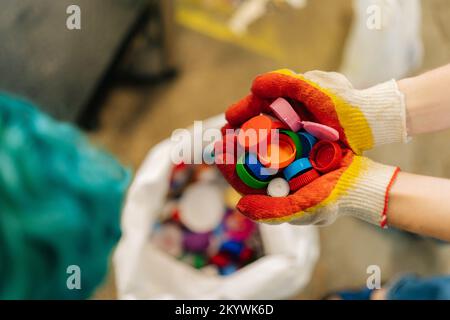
(203, 23)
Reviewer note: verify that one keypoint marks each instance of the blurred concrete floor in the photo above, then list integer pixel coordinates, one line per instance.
(213, 74)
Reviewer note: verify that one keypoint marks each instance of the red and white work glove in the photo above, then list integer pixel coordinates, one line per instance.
(364, 119)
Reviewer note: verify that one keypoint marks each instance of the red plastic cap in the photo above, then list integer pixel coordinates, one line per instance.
(255, 131)
(246, 254)
(220, 260)
(326, 156)
(303, 179)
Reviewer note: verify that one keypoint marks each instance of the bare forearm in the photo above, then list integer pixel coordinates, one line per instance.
(427, 101)
(420, 204)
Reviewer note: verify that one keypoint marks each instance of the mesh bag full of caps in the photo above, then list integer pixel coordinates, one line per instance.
(200, 226)
(209, 251)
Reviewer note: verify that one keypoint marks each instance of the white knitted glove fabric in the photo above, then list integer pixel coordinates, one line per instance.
(383, 105)
(365, 197)
(366, 194)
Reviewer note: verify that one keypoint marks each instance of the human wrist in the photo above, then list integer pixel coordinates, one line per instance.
(427, 101)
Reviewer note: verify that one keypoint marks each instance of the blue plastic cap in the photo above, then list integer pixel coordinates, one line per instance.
(297, 167)
(308, 141)
(257, 169)
(232, 247)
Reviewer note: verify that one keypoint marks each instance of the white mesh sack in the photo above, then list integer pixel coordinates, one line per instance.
(145, 272)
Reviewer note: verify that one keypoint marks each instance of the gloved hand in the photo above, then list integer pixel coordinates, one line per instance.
(363, 118)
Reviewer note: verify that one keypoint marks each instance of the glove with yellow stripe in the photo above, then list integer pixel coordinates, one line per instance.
(363, 118)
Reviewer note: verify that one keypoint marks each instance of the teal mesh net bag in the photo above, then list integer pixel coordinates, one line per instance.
(60, 202)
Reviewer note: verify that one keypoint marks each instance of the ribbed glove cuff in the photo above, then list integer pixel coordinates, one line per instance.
(367, 191)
